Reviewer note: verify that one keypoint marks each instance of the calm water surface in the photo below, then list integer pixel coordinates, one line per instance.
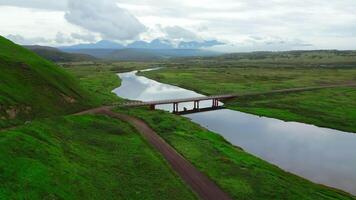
(322, 155)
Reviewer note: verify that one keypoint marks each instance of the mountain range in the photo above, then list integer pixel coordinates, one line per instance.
(154, 44)
(142, 50)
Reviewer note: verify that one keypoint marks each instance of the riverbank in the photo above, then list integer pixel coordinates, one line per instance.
(150, 90)
(239, 173)
(236, 171)
(332, 108)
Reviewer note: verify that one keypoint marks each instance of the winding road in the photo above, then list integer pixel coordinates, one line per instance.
(200, 183)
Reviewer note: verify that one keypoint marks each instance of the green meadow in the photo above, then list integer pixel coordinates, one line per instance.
(334, 108)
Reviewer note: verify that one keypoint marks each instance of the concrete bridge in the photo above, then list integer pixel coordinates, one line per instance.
(175, 102)
(216, 98)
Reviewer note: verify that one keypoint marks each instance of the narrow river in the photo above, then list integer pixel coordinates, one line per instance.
(322, 155)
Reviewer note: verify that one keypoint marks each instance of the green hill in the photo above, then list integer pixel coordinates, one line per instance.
(83, 157)
(31, 86)
(70, 157)
(57, 55)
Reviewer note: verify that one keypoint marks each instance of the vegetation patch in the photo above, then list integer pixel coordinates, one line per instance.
(99, 81)
(334, 108)
(83, 157)
(32, 87)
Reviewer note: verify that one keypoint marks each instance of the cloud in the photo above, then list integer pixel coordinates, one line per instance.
(179, 33)
(104, 17)
(41, 4)
(264, 43)
(27, 41)
(84, 37)
(325, 24)
(62, 38)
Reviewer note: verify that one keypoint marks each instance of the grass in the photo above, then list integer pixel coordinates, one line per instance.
(71, 157)
(95, 157)
(99, 81)
(334, 108)
(220, 80)
(32, 87)
(83, 157)
(240, 174)
(291, 59)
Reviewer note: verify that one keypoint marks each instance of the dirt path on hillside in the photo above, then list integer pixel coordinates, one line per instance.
(200, 183)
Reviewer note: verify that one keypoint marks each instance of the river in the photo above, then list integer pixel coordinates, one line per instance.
(321, 155)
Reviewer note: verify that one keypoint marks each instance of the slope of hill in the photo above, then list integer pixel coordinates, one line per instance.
(97, 53)
(31, 86)
(83, 157)
(56, 55)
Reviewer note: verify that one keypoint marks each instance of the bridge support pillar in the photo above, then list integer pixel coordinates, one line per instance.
(196, 105)
(215, 103)
(175, 108)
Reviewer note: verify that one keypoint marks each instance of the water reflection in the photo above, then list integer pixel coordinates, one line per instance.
(322, 155)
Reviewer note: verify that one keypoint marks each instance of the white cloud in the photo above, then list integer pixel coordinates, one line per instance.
(27, 41)
(179, 33)
(87, 37)
(62, 38)
(41, 4)
(104, 17)
(324, 24)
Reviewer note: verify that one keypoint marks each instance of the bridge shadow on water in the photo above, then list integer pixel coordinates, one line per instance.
(186, 112)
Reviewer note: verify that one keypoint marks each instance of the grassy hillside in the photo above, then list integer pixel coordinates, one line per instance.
(33, 87)
(241, 174)
(71, 157)
(83, 157)
(55, 55)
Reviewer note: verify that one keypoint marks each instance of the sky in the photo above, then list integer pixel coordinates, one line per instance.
(243, 25)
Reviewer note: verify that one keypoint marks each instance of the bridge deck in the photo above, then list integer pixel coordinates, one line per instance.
(228, 96)
(170, 101)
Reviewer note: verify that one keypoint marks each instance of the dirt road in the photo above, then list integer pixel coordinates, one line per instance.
(200, 183)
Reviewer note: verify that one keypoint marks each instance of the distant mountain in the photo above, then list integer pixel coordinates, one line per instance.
(198, 45)
(56, 55)
(154, 44)
(157, 54)
(139, 45)
(142, 50)
(103, 44)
